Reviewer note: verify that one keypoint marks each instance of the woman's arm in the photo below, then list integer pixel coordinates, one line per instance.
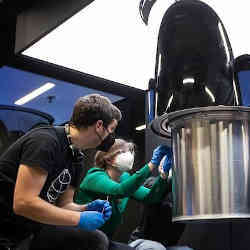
(153, 195)
(99, 182)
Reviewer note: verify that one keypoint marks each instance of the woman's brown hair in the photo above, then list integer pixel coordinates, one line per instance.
(119, 146)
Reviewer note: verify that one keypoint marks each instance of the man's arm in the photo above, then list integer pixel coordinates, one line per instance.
(27, 203)
(66, 201)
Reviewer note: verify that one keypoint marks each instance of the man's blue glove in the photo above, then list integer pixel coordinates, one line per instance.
(168, 162)
(159, 153)
(96, 205)
(101, 206)
(90, 220)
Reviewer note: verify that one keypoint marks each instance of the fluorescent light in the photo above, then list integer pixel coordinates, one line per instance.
(140, 127)
(119, 48)
(188, 80)
(34, 93)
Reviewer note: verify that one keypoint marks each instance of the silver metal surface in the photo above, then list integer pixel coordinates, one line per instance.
(211, 163)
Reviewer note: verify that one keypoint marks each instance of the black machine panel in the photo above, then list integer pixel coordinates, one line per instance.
(194, 66)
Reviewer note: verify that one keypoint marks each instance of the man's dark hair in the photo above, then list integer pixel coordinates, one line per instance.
(91, 108)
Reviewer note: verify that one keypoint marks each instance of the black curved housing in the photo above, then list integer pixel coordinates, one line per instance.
(194, 62)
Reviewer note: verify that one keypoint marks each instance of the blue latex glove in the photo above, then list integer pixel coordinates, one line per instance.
(101, 206)
(90, 220)
(159, 153)
(168, 162)
(107, 211)
(96, 205)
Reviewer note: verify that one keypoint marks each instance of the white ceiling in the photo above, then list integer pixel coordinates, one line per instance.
(108, 39)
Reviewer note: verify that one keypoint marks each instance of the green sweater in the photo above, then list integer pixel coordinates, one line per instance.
(98, 185)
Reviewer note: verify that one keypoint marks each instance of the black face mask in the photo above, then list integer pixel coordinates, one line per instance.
(107, 143)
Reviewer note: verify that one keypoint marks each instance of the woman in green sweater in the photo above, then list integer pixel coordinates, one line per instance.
(109, 180)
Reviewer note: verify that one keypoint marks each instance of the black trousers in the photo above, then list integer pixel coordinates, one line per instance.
(73, 238)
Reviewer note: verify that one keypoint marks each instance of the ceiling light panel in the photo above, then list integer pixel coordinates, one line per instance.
(108, 39)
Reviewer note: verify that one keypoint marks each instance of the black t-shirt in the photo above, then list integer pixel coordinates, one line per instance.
(47, 148)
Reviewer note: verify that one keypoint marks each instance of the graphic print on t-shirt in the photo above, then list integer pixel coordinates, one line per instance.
(58, 186)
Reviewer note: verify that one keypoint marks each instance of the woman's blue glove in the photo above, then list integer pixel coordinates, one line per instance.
(159, 153)
(101, 206)
(168, 162)
(91, 220)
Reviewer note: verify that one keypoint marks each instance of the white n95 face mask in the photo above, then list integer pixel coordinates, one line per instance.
(124, 161)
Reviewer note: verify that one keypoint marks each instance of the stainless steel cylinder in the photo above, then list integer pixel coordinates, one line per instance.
(211, 162)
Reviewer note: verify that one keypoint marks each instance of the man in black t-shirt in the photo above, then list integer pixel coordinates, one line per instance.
(39, 174)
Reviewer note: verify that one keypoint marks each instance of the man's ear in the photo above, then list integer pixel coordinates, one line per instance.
(99, 124)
